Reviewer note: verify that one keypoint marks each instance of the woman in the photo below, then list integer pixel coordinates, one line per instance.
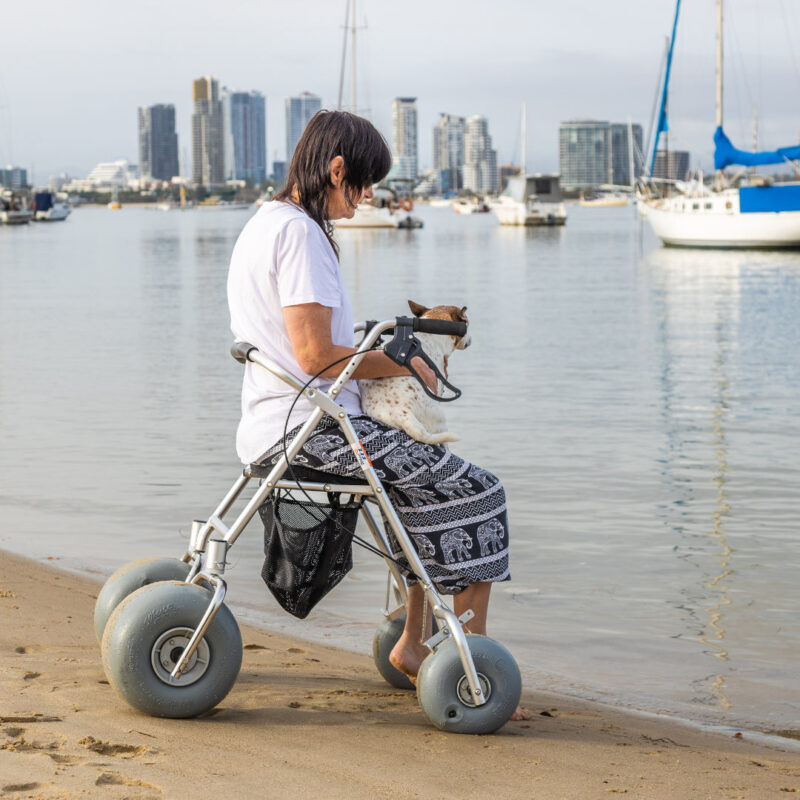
(287, 298)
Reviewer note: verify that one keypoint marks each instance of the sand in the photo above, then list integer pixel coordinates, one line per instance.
(309, 720)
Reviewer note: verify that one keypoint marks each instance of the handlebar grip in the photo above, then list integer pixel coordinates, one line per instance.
(443, 327)
(241, 350)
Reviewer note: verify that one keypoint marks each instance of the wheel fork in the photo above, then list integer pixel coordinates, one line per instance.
(213, 569)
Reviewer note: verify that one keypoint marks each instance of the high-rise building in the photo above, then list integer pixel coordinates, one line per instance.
(299, 111)
(404, 138)
(592, 153)
(448, 151)
(13, 177)
(245, 136)
(584, 153)
(158, 143)
(622, 153)
(208, 149)
(671, 164)
(480, 160)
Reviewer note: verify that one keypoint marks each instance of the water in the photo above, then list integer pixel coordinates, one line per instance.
(640, 403)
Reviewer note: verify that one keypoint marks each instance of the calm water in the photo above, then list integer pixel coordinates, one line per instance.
(640, 403)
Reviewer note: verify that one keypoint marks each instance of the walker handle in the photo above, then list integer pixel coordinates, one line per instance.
(241, 350)
(443, 327)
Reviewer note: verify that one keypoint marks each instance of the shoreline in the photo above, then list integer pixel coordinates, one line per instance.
(312, 717)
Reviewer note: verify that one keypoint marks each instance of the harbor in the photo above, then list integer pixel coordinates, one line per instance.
(647, 438)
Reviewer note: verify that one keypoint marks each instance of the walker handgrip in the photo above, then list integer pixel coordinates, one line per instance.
(444, 327)
(241, 350)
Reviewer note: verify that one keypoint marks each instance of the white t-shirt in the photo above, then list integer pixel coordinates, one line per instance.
(282, 258)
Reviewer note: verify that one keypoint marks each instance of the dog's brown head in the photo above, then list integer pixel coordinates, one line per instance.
(452, 313)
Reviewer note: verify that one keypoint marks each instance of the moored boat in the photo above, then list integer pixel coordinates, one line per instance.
(531, 200)
(48, 208)
(746, 212)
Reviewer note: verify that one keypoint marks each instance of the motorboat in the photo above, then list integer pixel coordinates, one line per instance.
(470, 207)
(531, 200)
(603, 200)
(48, 208)
(382, 211)
(14, 209)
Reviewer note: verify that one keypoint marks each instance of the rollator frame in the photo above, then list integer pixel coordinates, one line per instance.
(211, 539)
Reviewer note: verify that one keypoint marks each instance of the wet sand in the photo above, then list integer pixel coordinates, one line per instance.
(310, 719)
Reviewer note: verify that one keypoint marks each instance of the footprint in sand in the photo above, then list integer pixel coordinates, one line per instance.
(20, 787)
(109, 749)
(29, 676)
(22, 650)
(115, 779)
(13, 732)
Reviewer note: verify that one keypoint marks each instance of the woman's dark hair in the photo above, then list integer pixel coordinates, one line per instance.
(329, 134)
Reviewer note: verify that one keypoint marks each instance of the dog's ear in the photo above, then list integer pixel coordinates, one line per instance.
(462, 315)
(416, 309)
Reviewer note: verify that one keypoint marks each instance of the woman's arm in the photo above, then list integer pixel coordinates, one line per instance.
(309, 327)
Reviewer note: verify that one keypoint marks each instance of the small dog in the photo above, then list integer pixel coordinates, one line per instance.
(402, 402)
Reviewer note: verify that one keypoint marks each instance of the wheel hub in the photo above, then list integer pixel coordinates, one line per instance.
(465, 693)
(168, 649)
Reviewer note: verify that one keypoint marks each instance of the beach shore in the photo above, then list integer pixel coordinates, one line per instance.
(310, 719)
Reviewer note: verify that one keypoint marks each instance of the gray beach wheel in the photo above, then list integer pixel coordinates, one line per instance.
(147, 634)
(443, 691)
(386, 637)
(126, 580)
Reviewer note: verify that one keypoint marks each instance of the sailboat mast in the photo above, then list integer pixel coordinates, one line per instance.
(719, 63)
(353, 56)
(523, 136)
(344, 53)
(630, 154)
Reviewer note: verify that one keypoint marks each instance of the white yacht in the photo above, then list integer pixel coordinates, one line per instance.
(532, 200)
(745, 211)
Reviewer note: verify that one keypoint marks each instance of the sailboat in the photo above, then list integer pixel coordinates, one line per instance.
(530, 199)
(754, 213)
(382, 210)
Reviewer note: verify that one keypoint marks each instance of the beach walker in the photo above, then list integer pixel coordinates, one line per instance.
(172, 648)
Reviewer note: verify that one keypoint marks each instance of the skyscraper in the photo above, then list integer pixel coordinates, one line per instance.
(592, 153)
(622, 154)
(208, 154)
(158, 143)
(245, 136)
(448, 151)
(671, 164)
(480, 160)
(584, 153)
(299, 111)
(404, 137)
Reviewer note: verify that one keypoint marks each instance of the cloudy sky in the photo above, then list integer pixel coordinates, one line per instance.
(73, 74)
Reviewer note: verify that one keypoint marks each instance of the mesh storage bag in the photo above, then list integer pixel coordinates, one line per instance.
(306, 552)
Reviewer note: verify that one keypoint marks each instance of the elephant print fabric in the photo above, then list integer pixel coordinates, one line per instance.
(454, 511)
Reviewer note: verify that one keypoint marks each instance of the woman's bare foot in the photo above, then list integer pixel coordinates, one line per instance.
(521, 714)
(407, 656)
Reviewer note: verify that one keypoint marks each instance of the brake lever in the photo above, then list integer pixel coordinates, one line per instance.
(403, 348)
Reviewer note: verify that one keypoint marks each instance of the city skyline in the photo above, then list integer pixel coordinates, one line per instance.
(574, 61)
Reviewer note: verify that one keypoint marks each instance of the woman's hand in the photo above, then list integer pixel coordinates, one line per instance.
(426, 373)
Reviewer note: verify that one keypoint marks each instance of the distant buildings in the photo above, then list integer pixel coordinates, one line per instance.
(245, 135)
(671, 164)
(592, 153)
(107, 175)
(404, 138)
(480, 160)
(208, 153)
(158, 143)
(13, 177)
(448, 152)
(299, 111)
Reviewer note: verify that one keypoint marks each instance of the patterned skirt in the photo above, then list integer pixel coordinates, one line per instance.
(454, 511)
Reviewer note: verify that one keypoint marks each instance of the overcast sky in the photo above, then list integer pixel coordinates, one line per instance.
(72, 75)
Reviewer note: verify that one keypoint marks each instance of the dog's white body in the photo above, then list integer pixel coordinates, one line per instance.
(402, 402)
